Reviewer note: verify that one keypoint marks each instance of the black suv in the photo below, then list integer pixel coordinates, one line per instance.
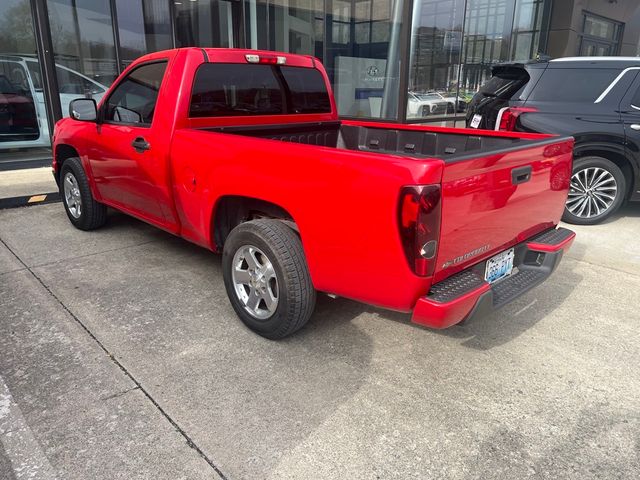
(594, 99)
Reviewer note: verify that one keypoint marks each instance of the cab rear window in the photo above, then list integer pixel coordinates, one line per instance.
(229, 89)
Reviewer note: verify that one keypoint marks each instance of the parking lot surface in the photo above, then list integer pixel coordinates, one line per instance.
(120, 357)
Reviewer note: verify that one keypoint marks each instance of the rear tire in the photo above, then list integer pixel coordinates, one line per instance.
(82, 209)
(266, 277)
(598, 189)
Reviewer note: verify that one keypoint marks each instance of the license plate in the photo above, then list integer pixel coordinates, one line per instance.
(499, 266)
(475, 121)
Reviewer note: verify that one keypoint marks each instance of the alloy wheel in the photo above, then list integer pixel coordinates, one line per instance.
(72, 195)
(255, 282)
(592, 192)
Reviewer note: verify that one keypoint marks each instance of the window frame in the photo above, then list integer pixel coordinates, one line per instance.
(616, 43)
(104, 105)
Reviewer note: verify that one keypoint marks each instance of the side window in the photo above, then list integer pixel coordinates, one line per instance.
(572, 85)
(134, 99)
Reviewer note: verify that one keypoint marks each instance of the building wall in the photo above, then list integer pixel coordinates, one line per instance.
(567, 24)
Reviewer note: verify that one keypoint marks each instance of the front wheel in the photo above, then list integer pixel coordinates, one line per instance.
(597, 191)
(83, 210)
(267, 279)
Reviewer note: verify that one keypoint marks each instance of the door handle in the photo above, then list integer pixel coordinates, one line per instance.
(521, 175)
(635, 126)
(140, 145)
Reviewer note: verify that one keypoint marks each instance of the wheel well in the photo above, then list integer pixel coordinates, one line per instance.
(63, 152)
(231, 211)
(620, 160)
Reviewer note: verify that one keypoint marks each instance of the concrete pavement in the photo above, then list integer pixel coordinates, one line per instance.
(126, 360)
(30, 181)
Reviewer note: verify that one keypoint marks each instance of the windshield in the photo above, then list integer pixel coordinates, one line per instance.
(429, 96)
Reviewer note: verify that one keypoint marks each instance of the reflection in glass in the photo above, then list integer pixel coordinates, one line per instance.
(82, 35)
(23, 118)
(294, 26)
(530, 26)
(206, 23)
(436, 42)
(144, 26)
(500, 31)
(363, 56)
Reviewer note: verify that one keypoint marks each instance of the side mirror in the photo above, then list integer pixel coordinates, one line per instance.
(83, 109)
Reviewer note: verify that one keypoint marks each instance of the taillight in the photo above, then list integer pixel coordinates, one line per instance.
(508, 116)
(419, 219)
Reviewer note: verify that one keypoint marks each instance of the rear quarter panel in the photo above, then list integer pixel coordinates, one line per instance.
(344, 203)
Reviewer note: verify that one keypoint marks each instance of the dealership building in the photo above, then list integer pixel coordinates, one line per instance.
(397, 60)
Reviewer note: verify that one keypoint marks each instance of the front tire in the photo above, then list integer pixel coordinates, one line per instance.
(267, 279)
(598, 189)
(82, 209)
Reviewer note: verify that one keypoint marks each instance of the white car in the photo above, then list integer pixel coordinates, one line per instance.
(421, 105)
(21, 96)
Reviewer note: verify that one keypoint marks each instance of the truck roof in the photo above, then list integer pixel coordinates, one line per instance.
(240, 55)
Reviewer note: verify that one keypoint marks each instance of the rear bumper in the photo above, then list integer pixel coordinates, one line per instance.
(466, 295)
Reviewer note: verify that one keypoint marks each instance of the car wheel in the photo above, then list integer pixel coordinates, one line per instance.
(267, 279)
(597, 191)
(82, 209)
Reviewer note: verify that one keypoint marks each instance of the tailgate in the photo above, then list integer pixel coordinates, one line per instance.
(492, 202)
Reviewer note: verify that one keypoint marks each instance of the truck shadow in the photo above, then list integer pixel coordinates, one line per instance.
(513, 320)
(332, 316)
(498, 328)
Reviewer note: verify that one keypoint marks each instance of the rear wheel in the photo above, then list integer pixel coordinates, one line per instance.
(597, 191)
(82, 209)
(267, 279)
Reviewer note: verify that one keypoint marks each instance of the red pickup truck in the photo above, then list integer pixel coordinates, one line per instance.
(242, 152)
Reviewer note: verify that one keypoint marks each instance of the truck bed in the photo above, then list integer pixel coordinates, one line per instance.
(407, 141)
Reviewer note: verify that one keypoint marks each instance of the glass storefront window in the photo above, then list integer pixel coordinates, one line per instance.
(144, 26)
(363, 56)
(207, 23)
(436, 42)
(498, 31)
(23, 116)
(295, 26)
(82, 34)
(530, 24)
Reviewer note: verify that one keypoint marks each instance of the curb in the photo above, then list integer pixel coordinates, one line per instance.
(29, 200)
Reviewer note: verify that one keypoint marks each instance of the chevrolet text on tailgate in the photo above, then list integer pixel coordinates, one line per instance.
(242, 152)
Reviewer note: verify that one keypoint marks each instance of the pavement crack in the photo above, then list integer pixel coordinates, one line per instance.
(117, 362)
(119, 394)
(12, 271)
